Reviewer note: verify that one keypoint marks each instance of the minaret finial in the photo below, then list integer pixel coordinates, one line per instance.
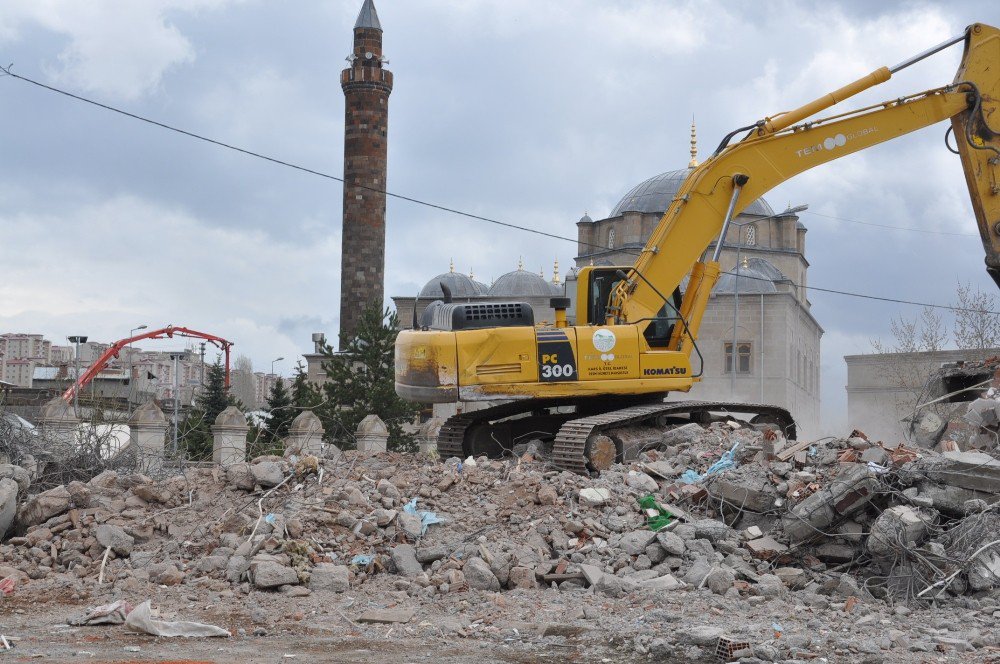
(555, 272)
(520, 262)
(472, 275)
(451, 265)
(694, 146)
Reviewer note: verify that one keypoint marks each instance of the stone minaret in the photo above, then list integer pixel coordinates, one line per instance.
(366, 86)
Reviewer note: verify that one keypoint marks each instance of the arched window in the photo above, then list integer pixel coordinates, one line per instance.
(611, 239)
(752, 235)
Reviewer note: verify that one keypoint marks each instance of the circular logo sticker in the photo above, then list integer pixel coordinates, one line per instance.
(604, 340)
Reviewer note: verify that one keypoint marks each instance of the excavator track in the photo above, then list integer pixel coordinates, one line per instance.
(569, 450)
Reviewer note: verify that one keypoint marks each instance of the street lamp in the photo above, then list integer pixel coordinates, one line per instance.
(77, 340)
(733, 355)
(278, 359)
(177, 402)
(131, 381)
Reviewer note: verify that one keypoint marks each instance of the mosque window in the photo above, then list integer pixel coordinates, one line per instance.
(611, 239)
(752, 235)
(744, 357)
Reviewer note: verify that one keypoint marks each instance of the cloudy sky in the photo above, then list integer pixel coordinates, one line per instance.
(528, 112)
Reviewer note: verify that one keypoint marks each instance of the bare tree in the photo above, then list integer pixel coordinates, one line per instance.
(933, 331)
(976, 327)
(243, 382)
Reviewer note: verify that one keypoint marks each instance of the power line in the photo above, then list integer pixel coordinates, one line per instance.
(8, 71)
(895, 228)
(862, 295)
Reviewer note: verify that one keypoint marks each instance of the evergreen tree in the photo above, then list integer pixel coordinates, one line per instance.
(196, 430)
(282, 412)
(361, 382)
(304, 396)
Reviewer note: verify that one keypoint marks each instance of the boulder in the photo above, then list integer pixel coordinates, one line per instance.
(44, 506)
(522, 577)
(116, 538)
(330, 577)
(712, 530)
(720, 579)
(238, 475)
(635, 542)
(479, 576)
(268, 474)
(641, 482)
(409, 524)
(18, 474)
(269, 574)
(671, 543)
(8, 504)
(404, 557)
(594, 497)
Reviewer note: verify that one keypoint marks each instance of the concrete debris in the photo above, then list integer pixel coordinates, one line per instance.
(831, 529)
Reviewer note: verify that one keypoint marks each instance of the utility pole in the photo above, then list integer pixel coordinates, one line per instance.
(202, 347)
(77, 340)
(175, 357)
(131, 378)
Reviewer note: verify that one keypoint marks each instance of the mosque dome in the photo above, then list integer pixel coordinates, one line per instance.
(521, 283)
(655, 194)
(459, 285)
(749, 281)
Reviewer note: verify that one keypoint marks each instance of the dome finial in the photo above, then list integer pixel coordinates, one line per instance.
(451, 265)
(746, 263)
(541, 271)
(520, 262)
(555, 272)
(694, 146)
(472, 275)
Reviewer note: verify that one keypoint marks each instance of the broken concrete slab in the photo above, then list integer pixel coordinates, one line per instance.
(766, 548)
(387, 616)
(851, 490)
(897, 528)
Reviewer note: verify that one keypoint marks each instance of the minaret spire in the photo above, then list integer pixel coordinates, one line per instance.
(555, 273)
(368, 17)
(694, 146)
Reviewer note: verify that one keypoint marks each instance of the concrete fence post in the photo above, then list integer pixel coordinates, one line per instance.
(59, 427)
(427, 436)
(372, 435)
(229, 437)
(305, 435)
(148, 433)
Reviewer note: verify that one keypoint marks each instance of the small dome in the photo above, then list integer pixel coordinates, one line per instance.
(231, 417)
(520, 283)
(306, 422)
(372, 425)
(585, 219)
(765, 267)
(750, 281)
(148, 414)
(57, 410)
(459, 285)
(655, 194)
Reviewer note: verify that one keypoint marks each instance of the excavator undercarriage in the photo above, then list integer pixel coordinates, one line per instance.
(582, 434)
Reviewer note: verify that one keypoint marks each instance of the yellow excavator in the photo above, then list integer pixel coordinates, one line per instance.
(574, 383)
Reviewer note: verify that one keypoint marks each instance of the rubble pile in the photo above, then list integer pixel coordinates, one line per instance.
(725, 514)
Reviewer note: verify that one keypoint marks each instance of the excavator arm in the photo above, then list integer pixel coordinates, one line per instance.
(777, 150)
